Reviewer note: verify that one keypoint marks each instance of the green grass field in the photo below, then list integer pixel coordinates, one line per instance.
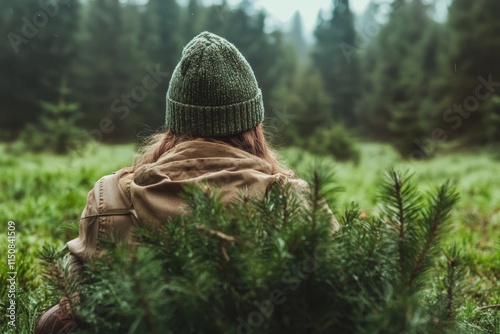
(44, 196)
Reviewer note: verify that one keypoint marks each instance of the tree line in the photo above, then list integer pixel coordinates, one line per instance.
(394, 73)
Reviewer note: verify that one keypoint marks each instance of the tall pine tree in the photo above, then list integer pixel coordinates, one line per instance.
(334, 58)
(193, 17)
(400, 64)
(296, 36)
(473, 116)
(161, 43)
(105, 66)
(413, 111)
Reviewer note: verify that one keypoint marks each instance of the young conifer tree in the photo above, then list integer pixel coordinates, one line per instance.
(275, 265)
(56, 129)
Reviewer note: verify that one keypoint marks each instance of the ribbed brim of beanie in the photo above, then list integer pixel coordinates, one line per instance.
(213, 91)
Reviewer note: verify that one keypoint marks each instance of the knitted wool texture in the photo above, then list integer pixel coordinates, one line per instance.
(213, 91)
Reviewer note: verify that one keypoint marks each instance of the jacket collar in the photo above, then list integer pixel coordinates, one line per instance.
(195, 158)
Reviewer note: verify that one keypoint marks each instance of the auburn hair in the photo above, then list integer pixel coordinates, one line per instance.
(252, 141)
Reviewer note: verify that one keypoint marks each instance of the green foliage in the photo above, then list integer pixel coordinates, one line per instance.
(336, 142)
(402, 205)
(43, 194)
(274, 264)
(413, 113)
(36, 53)
(420, 75)
(336, 62)
(102, 75)
(161, 44)
(302, 119)
(473, 59)
(57, 130)
(301, 107)
(404, 58)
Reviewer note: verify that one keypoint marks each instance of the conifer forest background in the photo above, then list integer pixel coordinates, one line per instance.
(392, 115)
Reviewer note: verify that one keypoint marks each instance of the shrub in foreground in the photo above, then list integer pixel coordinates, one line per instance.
(274, 265)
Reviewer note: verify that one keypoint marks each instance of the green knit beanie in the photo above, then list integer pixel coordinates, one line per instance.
(213, 91)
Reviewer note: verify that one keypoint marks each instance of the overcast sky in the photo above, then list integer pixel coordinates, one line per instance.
(282, 10)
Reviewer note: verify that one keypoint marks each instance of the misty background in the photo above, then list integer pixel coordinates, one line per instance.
(420, 75)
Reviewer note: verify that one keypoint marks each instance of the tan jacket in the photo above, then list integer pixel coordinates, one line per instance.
(122, 200)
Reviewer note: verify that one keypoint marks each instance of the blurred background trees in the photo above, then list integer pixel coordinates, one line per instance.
(397, 75)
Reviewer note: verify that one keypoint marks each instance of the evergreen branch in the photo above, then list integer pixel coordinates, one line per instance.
(400, 203)
(440, 208)
(402, 206)
(59, 276)
(351, 213)
(53, 272)
(399, 199)
(322, 192)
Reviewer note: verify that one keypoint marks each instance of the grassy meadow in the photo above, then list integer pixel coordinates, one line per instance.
(44, 196)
